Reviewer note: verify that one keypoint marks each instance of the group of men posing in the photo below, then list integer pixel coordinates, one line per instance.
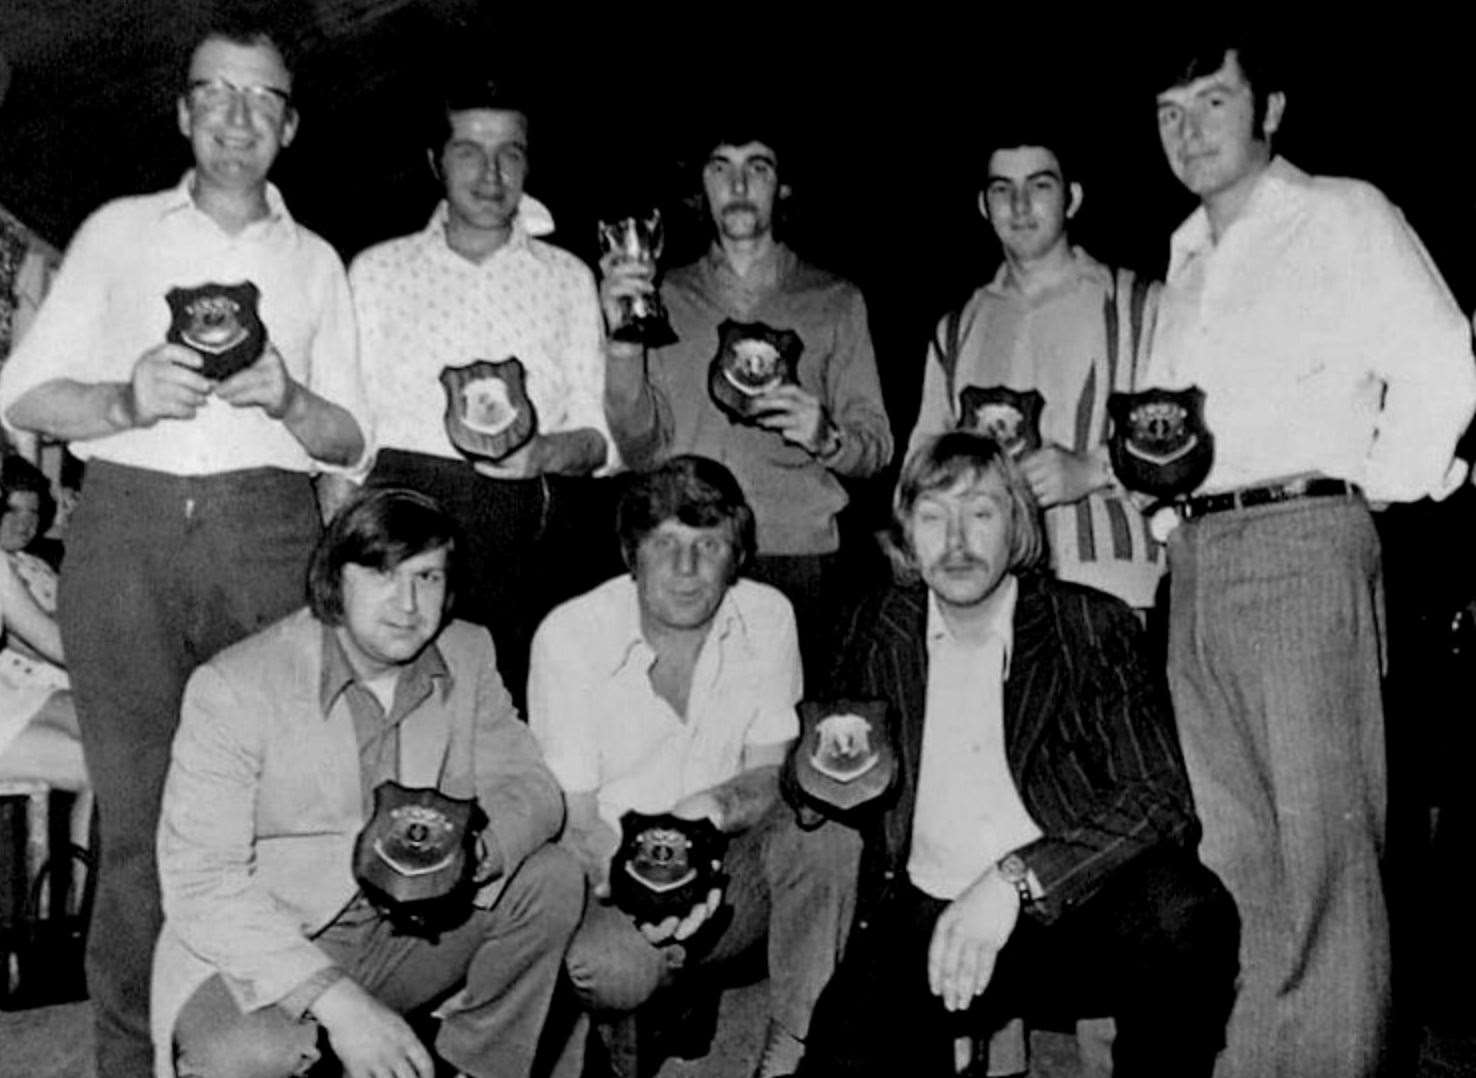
(1044, 844)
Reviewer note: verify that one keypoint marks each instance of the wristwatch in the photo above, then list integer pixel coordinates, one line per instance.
(1013, 868)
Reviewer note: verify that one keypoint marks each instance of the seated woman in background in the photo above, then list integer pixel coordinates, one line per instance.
(38, 724)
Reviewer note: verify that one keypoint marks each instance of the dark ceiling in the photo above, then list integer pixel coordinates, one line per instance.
(883, 115)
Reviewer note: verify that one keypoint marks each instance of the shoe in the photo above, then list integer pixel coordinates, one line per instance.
(782, 1052)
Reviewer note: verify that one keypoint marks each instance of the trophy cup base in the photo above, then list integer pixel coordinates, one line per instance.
(650, 332)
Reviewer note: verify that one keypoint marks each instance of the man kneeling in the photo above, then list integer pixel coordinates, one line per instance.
(283, 741)
(674, 690)
(1041, 851)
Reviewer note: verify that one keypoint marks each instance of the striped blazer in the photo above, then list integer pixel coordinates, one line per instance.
(1089, 735)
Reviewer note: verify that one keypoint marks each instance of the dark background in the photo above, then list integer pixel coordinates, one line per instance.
(882, 119)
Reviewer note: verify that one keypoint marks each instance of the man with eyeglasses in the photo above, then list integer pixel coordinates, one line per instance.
(478, 284)
(200, 515)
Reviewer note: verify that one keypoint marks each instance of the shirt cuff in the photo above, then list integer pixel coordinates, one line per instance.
(297, 1001)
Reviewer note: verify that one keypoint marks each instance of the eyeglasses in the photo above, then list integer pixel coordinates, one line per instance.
(219, 95)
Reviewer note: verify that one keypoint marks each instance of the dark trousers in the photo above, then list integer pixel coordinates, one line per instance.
(1155, 949)
(161, 573)
(815, 585)
(530, 544)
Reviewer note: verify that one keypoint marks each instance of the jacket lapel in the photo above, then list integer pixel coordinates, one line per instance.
(1034, 673)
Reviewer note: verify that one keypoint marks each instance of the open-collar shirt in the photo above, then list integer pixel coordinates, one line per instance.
(107, 307)
(1323, 337)
(603, 727)
(969, 813)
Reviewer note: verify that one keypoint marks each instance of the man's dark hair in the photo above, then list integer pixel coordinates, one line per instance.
(241, 26)
(463, 93)
(19, 474)
(378, 530)
(1195, 57)
(691, 490)
(735, 126)
(939, 464)
(1015, 132)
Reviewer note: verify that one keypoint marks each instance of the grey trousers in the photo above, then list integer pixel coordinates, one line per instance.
(794, 888)
(1275, 644)
(508, 958)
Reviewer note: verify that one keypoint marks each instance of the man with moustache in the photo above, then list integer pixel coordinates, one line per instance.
(1040, 852)
(804, 438)
(478, 283)
(1338, 375)
(200, 513)
(673, 689)
(1057, 321)
(285, 739)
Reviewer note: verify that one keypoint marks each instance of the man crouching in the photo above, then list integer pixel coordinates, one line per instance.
(284, 741)
(672, 692)
(1041, 850)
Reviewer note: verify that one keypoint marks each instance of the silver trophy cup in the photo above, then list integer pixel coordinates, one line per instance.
(643, 319)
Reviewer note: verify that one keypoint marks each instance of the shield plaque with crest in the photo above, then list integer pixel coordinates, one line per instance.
(844, 758)
(665, 865)
(1158, 442)
(1009, 416)
(221, 323)
(752, 358)
(416, 857)
(488, 413)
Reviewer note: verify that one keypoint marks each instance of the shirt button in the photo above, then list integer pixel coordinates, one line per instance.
(889, 875)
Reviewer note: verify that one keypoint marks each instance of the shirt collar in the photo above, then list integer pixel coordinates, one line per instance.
(1001, 618)
(180, 198)
(630, 642)
(1084, 269)
(338, 673)
(1193, 238)
(532, 219)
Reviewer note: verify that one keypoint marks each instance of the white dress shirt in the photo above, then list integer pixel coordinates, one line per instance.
(423, 307)
(969, 813)
(604, 729)
(1324, 339)
(107, 307)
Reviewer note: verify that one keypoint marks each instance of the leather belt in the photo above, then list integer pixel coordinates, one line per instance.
(1249, 497)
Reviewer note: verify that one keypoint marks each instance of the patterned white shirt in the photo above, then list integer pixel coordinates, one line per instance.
(1323, 336)
(422, 307)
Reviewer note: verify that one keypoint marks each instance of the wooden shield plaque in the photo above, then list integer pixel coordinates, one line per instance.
(221, 323)
(1009, 416)
(1158, 441)
(844, 758)
(665, 865)
(488, 413)
(752, 358)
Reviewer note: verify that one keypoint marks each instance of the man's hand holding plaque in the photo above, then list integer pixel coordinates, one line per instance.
(1009, 416)
(753, 360)
(667, 874)
(488, 414)
(220, 323)
(416, 858)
